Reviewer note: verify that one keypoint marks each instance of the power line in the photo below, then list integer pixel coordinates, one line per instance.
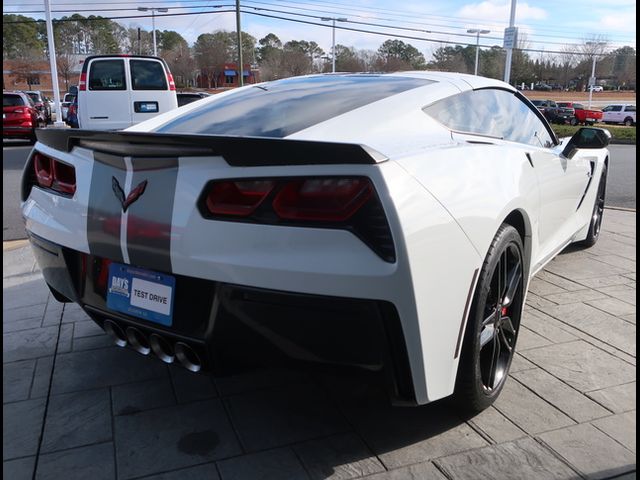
(322, 3)
(340, 27)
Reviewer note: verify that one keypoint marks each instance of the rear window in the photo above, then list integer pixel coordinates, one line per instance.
(107, 75)
(12, 100)
(35, 97)
(283, 107)
(147, 75)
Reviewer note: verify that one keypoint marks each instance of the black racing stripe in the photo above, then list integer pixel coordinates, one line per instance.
(104, 209)
(150, 216)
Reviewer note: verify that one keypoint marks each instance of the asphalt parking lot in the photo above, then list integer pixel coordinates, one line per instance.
(74, 406)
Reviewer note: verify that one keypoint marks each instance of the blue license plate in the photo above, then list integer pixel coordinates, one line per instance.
(141, 293)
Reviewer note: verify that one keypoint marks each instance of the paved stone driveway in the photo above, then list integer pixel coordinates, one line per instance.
(77, 407)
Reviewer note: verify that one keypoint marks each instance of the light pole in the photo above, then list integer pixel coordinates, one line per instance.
(478, 33)
(153, 23)
(333, 41)
(592, 81)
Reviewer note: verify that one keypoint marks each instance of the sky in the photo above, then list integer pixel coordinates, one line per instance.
(546, 26)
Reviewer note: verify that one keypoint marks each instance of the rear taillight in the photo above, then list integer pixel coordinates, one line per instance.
(44, 170)
(82, 84)
(51, 173)
(322, 199)
(347, 203)
(172, 84)
(239, 198)
(72, 109)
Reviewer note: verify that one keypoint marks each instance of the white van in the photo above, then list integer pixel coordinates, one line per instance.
(117, 91)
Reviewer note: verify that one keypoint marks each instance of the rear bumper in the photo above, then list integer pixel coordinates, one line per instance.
(232, 327)
(9, 131)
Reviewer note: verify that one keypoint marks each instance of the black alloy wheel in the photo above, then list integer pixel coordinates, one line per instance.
(499, 328)
(493, 323)
(598, 212)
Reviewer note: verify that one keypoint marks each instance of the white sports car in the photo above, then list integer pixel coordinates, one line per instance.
(388, 222)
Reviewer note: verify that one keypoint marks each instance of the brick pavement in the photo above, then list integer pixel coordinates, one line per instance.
(74, 406)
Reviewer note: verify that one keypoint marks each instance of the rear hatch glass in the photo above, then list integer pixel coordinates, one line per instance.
(283, 107)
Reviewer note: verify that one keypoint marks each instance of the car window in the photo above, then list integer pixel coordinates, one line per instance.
(107, 75)
(492, 112)
(578, 106)
(34, 96)
(630, 108)
(613, 108)
(283, 107)
(9, 100)
(147, 75)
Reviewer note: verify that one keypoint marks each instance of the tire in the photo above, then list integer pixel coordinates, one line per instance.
(598, 212)
(493, 324)
(573, 122)
(628, 122)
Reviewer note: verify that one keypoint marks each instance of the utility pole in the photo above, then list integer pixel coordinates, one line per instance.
(478, 32)
(507, 65)
(54, 66)
(592, 80)
(239, 31)
(153, 23)
(333, 39)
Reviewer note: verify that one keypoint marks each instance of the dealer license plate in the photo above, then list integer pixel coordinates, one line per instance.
(141, 293)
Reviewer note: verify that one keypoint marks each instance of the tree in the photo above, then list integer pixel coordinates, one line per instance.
(270, 47)
(212, 51)
(65, 64)
(453, 59)
(21, 40)
(181, 63)
(169, 40)
(347, 60)
(396, 53)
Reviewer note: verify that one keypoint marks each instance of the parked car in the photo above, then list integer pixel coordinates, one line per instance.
(72, 114)
(188, 97)
(117, 91)
(67, 100)
(20, 117)
(596, 88)
(390, 223)
(41, 104)
(554, 113)
(619, 113)
(582, 115)
(543, 87)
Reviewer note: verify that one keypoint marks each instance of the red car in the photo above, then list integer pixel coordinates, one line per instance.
(19, 116)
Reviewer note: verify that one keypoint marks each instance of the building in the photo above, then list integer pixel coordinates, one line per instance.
(36, 75)
(226, 76)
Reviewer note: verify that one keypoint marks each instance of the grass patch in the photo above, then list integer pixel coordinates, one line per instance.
(619, 134)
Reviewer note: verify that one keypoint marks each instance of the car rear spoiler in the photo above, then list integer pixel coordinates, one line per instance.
(237, 151)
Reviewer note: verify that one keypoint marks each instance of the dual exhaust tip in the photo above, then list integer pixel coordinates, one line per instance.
(153, 343)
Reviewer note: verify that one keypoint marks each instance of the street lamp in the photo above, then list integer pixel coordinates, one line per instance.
(333, 42)
(592, 80)
(478, 33)
(153, 23)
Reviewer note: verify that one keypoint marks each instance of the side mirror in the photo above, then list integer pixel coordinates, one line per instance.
(587, 137)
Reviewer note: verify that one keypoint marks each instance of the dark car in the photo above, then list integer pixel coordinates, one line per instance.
(543, 87)
(72, 113)
(553, 112)
(187, 97)
(19, 116)
(42, 105)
